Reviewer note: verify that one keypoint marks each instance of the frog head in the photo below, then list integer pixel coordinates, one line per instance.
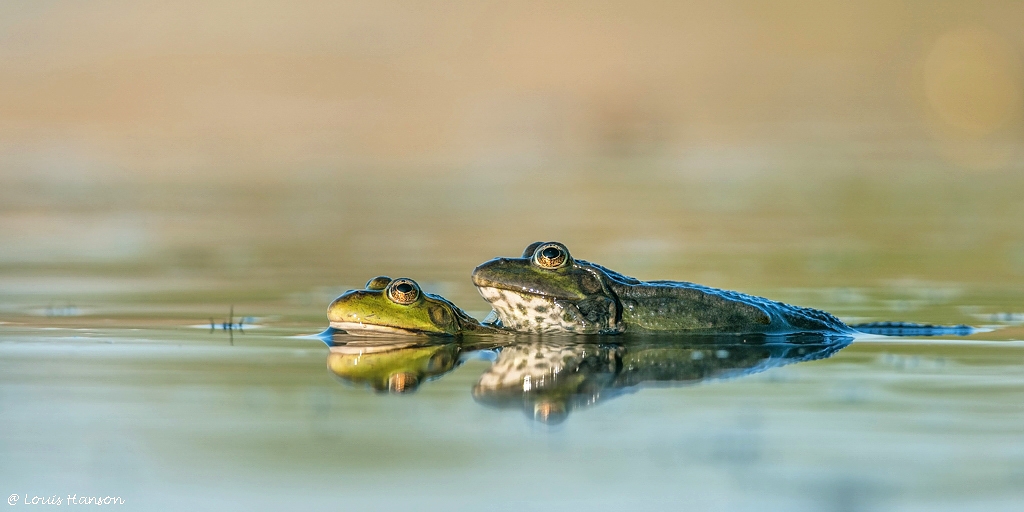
(546, 290)
(396, 306)
(392, 367)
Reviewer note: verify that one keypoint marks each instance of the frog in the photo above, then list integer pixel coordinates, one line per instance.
(396, 367)
(547, 290)
(399, 306)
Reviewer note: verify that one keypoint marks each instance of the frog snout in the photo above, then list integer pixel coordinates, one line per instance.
(485, 269)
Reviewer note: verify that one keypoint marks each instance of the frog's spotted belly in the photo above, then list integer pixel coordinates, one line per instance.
(526, 313)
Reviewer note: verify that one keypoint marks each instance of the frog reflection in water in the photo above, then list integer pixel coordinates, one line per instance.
(396, 367)
(549, 379)
(398, 306)
(548, 291)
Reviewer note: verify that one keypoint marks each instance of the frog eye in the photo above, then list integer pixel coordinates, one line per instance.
(550, 256)
(403, 291)
(378, 283)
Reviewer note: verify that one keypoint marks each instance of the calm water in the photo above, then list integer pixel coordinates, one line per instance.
(113, 384)
(166, 167)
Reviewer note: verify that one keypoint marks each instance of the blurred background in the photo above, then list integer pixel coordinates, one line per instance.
(164, 165)
(284, 151)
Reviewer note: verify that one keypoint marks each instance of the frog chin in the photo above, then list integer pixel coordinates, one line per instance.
(361, 329)
(527, 312)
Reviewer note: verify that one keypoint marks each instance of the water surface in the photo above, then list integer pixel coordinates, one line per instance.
(112, 381)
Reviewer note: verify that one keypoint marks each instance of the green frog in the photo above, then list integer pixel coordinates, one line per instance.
(548, 291)
(398, 306)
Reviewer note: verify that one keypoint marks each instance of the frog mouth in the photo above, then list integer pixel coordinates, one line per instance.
(513, 280)
(361, 329)
(522, 302)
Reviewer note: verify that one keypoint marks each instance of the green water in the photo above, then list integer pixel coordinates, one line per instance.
(113, 384)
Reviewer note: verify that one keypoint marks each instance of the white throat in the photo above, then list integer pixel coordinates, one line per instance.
(526, 312)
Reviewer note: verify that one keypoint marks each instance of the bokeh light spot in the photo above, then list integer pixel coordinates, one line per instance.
(973, 82)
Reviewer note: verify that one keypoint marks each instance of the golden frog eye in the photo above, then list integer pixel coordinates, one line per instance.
(550, 256)
(403, 291)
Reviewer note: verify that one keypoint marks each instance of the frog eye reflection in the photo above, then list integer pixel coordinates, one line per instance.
(550, 256)
(403, 291)
(402, 382)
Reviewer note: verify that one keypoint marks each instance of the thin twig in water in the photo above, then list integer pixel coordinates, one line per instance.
(230, 325)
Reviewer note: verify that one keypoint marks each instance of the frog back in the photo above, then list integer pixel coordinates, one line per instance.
(679, 306)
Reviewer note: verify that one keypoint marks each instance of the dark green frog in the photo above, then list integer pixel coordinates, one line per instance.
(548, 291)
